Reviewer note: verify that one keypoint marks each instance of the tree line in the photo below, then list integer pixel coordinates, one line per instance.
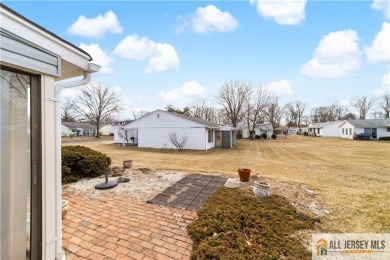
(237, 102)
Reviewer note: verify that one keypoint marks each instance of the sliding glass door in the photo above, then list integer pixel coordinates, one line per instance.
(19, 165)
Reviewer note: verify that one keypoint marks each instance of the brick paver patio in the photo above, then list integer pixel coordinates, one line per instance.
(118, 228)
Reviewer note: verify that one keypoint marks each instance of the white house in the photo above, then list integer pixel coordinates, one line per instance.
(326, 129)
(152, 131)
(77, 129)
(376, 127)
(258, 130)
(109, 128)
(32, 60)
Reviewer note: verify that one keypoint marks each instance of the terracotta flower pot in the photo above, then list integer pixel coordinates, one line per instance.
(127, 164)
(244, 174)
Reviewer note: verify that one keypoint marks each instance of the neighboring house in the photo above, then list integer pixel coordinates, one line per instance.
(376, 127)
(109, 128)
(303, 129)
(33, 63)
(77, 129)
(152, 130)
(293, 130)
(258, 130)
(281, 130)
(326, 129)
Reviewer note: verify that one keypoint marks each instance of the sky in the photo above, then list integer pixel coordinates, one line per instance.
(176, 52)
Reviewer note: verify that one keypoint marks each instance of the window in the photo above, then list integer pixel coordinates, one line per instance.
(342, 130)
(19, 166)
(388, 129)
(158, 115)
(350, 131)
(210, 136)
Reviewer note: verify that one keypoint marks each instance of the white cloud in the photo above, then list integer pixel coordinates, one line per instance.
(380, 48)
(279, 88)
(210, 19)
(336, 55)
(382, 6)
(161, 56)
(385, 88)
(286, 12)
(99, 57)
(189, 90)
(96, 27)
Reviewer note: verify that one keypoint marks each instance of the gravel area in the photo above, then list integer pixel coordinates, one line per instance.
(144, 184)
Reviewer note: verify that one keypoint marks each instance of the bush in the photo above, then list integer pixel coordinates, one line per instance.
(273, 136)
(305, 133)
(233, 224)
(384, 138)
(111, 134)
(257, 136)
(264, 136)
(239, 135)
(80, 161)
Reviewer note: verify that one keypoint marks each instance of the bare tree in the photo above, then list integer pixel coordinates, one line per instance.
(384, 104)
(274, 112)
(255, 107)
(96, 102)
(232, 96)
(328, 113)
(178, 142)
(290, 114)
(198, 108)
(362, 105)
(138, 113)
(68, 112)
(300, 108)
(184, 111)
(341, 112)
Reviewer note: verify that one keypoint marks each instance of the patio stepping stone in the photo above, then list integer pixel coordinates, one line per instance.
(189, 193)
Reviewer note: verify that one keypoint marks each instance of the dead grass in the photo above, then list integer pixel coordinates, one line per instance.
(352, 178)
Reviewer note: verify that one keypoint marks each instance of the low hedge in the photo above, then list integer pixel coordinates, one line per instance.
(80, 161)
(384, 138)
(233, 224)
(273, 136)
(264, 136)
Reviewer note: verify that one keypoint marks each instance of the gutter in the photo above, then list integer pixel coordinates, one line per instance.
(59, 253)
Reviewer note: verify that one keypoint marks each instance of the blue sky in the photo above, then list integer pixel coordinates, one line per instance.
(174, 52)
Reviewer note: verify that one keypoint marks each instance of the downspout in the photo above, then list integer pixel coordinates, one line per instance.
(205, 140)
(59, 253)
